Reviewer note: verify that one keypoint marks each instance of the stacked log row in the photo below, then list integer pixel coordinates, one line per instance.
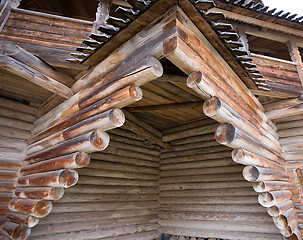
(16, 121)
(245, 125)
(255, 147)
(75, 128)
(202, 190)
(116, 196)
(288, 116)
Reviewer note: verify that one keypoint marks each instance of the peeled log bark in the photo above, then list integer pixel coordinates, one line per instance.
(233, 137)
(119, 99)
(145, 70)
(34, 76)
(266, 186)
(16, 231)
(46, 193)
(258, 174)
(35, 207)
(24, 219)
(247, 158)
(104, 121)
(90, 142)
(269, 199)
(73, 160)
(280, 208)
(60, 178)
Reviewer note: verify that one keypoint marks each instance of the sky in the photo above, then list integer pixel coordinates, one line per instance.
(293, 6)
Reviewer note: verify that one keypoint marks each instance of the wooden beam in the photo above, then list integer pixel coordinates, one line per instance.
(271, 94)
(296, 58)
(5, 12)
(165, 106)
(32, 75)
(260, 23)
(27, 58)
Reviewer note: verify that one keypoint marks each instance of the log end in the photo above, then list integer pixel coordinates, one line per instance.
(56, 193)
(259, 187)
(211, 106)
(193, 79)
(16, 231)
(225, 134)
(43, 208)
(135, 92)
(82, 159)
(156, 66)
(251, 173)
(100, 140)
(68, 178)
(117, 117)
(280, 222)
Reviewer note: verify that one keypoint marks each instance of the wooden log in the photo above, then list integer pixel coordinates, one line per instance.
(287, 232)
(59, 178)
(259, 174)
(35, 207)
(70, 161)
(218, 110)
(269, 199)
(4, 102)
(25, 57)
(201, 81)
(24, 219)
(282, 221)
(119, 99)
(285, 112)
(244, 157)
(28, 73)
(89, 142)
(231, 136)
(46, 193)
(15, 114)
(266, 186)
(280, 208)
(14, 133)
(16, 231)
(145, 70)
(104, 121)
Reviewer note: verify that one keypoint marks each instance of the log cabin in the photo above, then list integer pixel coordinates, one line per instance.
(150, 119)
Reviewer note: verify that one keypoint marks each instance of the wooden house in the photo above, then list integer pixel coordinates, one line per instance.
(150, 119)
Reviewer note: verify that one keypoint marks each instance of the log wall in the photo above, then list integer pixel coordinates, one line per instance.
(16, 121)
(202, 190)
(288, 116)
(116, 196)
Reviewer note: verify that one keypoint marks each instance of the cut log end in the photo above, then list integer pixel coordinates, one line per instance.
(43, 208)
(157, 68)
(100, 140)
(211, 106)
(135, 92)
(251, 173)
(117, 117)
(68, 178)
(82, 159)
(225, 134)
(193, 79)
(19, 218)
(56, 193)
(237, 155)
(16, 231)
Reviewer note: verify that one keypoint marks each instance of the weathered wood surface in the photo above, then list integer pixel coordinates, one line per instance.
(22, 70)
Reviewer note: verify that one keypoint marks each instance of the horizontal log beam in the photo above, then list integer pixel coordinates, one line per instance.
(60, 178)
(32, 75)
(21, 55)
